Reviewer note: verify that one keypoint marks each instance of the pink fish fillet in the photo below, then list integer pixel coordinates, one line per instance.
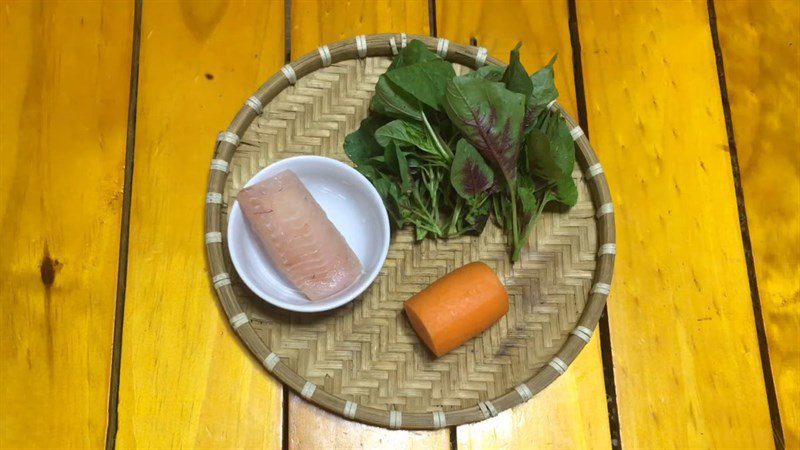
(297, 235)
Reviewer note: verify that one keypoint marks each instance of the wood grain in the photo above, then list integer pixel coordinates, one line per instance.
(686, 358)
(567, 414)
(332, 431)
(315, 23)
(186, 380)
(64, 81)
(541, 26)
(319, 22)
(761, 49)
(571, 413)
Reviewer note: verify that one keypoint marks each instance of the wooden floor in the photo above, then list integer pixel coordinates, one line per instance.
(108, 112)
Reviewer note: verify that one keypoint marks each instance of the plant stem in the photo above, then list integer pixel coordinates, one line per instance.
(482, 198)
(515, 231)
(454, 219)
(445, 154)
(435, 230)
(499, 214)
(528, 228)
(420, 215)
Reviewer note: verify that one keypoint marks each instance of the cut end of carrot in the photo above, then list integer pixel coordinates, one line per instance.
(419, 327)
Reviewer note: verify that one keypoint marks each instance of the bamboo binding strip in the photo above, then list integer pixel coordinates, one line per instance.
(387, 45)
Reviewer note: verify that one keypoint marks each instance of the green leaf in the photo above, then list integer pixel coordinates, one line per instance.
(377, 161)
(416, 75)
(424, 81)
(532, 114)
(515, 77)
(526, 193)
(396, 161)
(415, 52)
(562, 146)
(406, 134)
(551, 152)
(489, 73)
(566, 192)
(531, 209)
(544, 86)
(490, 116)
(370, 172)
(543, 92)
(390, 193)
(469, 174)
(361, 145)
(392, 101)
(476, 219)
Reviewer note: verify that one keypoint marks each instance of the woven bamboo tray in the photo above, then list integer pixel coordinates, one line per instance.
(363, 361)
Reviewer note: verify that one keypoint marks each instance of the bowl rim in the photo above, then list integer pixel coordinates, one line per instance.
(365, 279)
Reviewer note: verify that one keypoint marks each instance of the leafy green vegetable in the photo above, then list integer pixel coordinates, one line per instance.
(490, 116)
(515, 77)
(470, 175)
(390, 193)
(396, 161)
(544, 87)
(361, 144)
(407, 134)
(566, 192)
(391, 101)
(424, 81)
(550, 157)
(404, 133)
(489, 73)
(526, 192)
(415, 52)
(496, 120)
(416, 77)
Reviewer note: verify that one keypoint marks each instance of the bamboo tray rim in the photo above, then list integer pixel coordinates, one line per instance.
(387, 45)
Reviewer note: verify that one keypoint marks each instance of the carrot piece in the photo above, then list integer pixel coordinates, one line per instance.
(457, 307)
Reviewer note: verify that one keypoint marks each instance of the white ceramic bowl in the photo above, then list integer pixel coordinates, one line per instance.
(351, 203)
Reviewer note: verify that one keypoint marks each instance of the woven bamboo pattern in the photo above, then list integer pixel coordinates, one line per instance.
(363, 360)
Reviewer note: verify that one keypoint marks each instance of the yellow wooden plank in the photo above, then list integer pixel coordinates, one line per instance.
(318, 22)
(315, 23)
(761, 48)
(64, 82)
(541, 26)
(686, 357)
(186, 380)
(572, 412)
(331, 431)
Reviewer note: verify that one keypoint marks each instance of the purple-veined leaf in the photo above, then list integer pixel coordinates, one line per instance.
(490, 116)
(469, 174)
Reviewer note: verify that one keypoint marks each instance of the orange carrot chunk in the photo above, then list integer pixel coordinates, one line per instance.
(457, 307)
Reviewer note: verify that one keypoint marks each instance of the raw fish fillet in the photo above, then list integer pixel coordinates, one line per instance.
(297, 235)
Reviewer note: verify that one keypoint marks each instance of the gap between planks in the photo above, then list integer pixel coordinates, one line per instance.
(453, 430)
(287, 49)
(122, 265)
(766, 367)
(605, 331)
